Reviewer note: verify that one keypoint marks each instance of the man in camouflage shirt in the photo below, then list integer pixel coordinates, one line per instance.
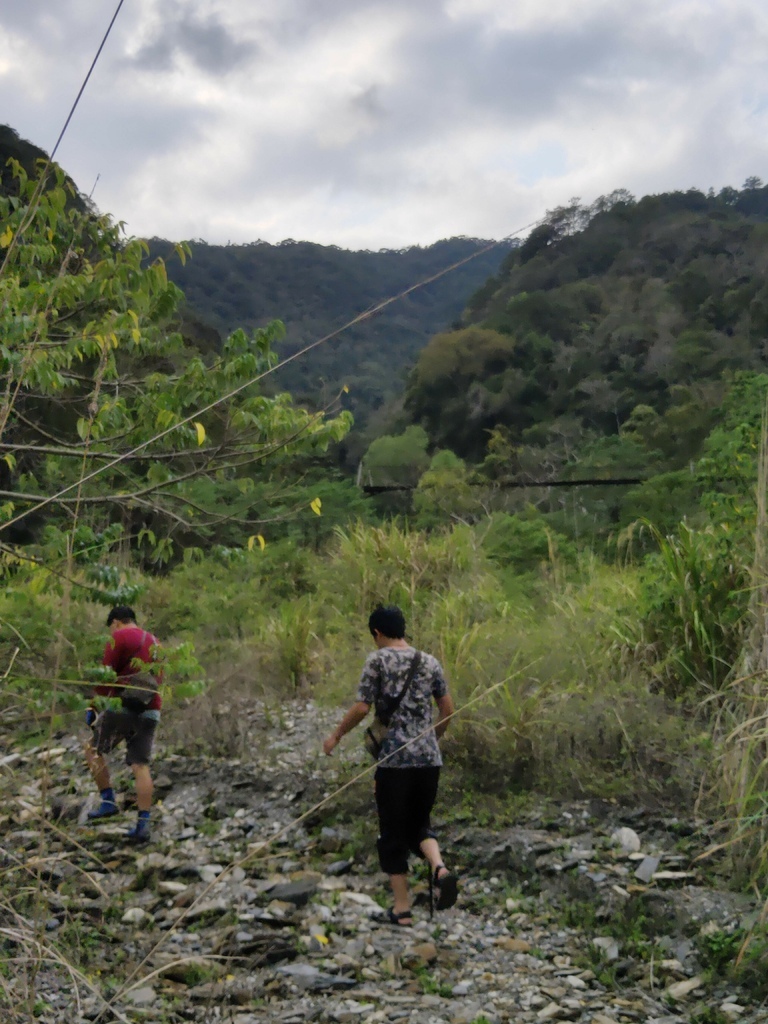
(409, 760)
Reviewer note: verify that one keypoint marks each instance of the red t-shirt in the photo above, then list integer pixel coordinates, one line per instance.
(128, 643)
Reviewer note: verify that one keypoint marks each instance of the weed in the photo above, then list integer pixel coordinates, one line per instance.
(710, 1016)
(430, 985)
(718, 951)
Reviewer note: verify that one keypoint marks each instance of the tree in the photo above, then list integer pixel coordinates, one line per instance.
(105, 416)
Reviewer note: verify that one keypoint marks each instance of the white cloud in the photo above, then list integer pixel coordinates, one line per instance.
(370, 123)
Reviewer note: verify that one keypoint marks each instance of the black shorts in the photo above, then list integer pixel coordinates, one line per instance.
(404, 800)
(114, 727)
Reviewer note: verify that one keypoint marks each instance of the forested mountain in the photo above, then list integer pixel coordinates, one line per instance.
(622, 316)
(315, 289)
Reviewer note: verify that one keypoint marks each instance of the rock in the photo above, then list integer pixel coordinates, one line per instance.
(627, 839)
(339, 867)
(423, 952)
(732, 1010)
(171, 888)
(210, 872)
(512, 945)
(647, 869)
(141, 996)
(608, 947)
(208, 908)
(306, 976)
(681, 989)
(135, 915)
(575, 982)
(297, 893)
(550, 1012)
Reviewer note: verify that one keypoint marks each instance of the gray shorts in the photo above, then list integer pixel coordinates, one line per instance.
(112, 727)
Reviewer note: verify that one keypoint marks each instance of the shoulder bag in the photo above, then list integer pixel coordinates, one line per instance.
(386, 707)
(140, 687)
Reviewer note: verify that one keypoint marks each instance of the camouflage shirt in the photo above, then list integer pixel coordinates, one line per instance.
(384, 673)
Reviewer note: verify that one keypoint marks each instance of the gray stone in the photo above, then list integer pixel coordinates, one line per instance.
(647, 869)
(627, 839)
(339, 867)
(142, 996)
(298, 893)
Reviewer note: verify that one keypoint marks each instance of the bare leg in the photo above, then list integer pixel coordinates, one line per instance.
(431, 852)
(399, 885)
(444, 881)
(144, 786)
(98, 767)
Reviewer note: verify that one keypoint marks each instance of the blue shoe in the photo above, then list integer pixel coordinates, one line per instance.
(106, 809)
(139, 833)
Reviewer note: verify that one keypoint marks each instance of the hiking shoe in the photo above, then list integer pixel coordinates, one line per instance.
(139, 833)
(106, 809)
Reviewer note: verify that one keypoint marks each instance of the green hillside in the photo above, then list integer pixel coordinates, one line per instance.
(315, 289)
(603, 310)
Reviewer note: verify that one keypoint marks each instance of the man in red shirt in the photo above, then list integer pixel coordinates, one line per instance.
(135, 723)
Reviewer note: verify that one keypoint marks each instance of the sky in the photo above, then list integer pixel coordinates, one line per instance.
(374, 124)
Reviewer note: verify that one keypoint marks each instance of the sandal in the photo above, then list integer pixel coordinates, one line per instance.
(400, 919)
(447, 888)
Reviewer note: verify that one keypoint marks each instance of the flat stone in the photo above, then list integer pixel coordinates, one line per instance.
(512, 945)
(647, 869)
(142, 996)
(339, 867)
(171, 888)
(207, 907)
(681, 989)
(297, 893)
(550, 1012)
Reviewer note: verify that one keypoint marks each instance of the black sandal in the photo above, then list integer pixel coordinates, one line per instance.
(399, 919)
(447, 888)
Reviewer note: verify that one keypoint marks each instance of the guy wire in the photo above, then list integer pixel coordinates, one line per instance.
(359, 318)
(47, 166)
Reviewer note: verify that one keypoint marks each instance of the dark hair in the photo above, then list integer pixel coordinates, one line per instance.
(121, 613)
(389, 621)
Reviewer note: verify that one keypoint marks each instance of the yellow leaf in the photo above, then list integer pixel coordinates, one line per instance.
(345, 389)
(254, 539)
(316, 505)
(320, 938)
(6, 238)
(200, 433)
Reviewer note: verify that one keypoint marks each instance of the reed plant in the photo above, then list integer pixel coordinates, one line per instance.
(741, 719)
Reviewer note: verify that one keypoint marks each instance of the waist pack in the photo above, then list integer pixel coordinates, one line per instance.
(139, 690)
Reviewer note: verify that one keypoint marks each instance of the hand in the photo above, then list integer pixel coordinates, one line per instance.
(330, 743)
(90, 716)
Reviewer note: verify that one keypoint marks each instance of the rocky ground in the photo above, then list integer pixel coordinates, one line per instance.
(586, 912)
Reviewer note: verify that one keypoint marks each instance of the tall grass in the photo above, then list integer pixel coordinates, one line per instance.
(743, 719)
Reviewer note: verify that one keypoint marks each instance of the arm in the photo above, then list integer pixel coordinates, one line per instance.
(353, 717)
(110, 660)
(445, 709)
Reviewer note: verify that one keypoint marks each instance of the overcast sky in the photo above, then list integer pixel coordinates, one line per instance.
(382, 124)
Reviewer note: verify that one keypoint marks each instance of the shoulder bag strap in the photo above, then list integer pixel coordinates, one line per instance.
(411, 675)
(135, 654)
